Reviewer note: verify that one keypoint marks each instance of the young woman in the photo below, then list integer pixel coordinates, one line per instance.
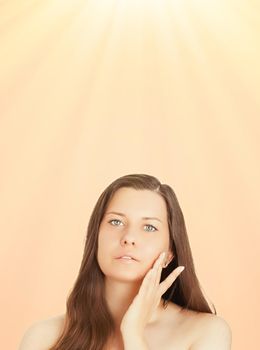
(127, 294)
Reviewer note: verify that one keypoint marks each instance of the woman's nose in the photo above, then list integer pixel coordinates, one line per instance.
(128, 238)
(131, 242)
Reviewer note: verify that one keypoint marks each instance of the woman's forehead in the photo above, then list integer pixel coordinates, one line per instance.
(146, 203)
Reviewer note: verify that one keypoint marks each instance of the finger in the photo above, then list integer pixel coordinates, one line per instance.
(156, 273)
(159, 269)
(159, 258)
(164, 285)
(149, 281)
(146, 282)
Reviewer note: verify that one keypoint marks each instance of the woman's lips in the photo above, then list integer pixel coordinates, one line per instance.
(126, 255)
(126, 260)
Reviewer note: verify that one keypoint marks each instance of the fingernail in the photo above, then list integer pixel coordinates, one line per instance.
(162, 256)
(181, 268)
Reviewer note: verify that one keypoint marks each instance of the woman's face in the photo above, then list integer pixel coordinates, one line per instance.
(134, 223)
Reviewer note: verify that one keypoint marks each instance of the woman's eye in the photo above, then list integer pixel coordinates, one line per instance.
(155, 229)
(114, 220)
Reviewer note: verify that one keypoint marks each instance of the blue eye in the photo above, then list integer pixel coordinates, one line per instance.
(155, 229)
(113, 220)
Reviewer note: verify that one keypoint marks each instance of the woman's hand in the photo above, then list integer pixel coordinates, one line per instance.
(148, 298)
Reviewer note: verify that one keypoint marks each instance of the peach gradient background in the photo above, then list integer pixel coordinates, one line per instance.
(93, 90)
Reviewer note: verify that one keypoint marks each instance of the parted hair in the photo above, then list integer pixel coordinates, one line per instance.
(88, 322)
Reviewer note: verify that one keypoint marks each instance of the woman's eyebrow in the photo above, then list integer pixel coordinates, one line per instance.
(144, 218)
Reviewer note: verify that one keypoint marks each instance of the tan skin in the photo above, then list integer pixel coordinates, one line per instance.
(173, 330)
(118, 234)
(164, 329)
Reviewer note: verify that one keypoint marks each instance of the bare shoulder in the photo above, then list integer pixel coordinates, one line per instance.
(212, 332)
(194, 330)
(42, 334)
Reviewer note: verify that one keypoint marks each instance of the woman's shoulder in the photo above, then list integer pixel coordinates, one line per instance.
(42, 334)
(207, 329)
(195, 330)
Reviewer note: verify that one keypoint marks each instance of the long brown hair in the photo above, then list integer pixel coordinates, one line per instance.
(88, 323)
